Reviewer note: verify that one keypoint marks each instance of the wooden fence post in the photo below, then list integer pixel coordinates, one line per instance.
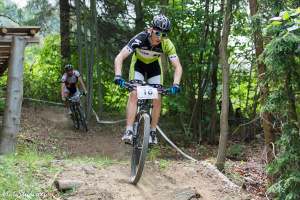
(14, 96)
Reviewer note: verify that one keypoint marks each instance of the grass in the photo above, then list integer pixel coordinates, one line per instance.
(23, 175)
(163, 164)
(154, 153)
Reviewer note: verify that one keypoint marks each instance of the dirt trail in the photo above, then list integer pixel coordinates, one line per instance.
(156, 184)
(51, 127)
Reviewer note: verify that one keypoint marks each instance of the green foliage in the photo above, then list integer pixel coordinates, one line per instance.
(36, 13)
(43, 70)
(236, 151)
(2, 105)
(2, 100)
(42, 13)
(12, 12)
(288, 21)
(154, 153)
(281, 58)
(114, 98)
(163, 164)
(287, 165)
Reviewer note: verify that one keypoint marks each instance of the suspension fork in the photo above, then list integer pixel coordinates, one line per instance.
(136, 125)
(71, 106)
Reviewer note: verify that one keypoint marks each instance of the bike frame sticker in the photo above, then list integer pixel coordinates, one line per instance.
(147, 92)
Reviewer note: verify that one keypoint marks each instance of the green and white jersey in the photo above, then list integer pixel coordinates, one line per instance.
(140, 44)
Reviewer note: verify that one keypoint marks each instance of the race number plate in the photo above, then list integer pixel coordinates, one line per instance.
(147, 92)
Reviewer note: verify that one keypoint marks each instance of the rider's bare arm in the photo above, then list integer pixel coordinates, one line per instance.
(124, 53)
(178, 70)
(82, 84)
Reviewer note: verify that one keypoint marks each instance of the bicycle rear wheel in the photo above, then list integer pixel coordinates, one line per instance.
(140, 147)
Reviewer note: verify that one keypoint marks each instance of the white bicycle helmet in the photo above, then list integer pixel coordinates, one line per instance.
(161, 22)
(68, 67)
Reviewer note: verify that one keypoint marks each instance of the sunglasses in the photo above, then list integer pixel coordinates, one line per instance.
(159, 33)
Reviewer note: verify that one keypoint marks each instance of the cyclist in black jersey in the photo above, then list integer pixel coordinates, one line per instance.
(147, 48)
(69, 82)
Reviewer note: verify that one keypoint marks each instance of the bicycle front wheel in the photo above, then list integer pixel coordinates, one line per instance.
(82, 119)
(140, 147)
(74, 117)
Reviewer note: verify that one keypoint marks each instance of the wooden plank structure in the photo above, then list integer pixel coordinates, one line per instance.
(12, 46)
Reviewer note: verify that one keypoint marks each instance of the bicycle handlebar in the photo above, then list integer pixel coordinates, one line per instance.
(80, 95)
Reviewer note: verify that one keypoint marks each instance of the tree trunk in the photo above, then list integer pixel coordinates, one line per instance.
(86, 49)
(98, 67)
(65, 30)
(224, 127)
(249, 88)
(255, 102)
(92, 58)
(214, 79)
(264, 89)
(139, 19)
(79, 34)
(13, 104)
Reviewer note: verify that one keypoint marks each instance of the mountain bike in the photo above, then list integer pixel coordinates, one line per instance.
(141, 127)
(77, 115)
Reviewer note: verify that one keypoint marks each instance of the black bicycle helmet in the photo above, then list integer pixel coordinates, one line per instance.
(68, 67)
(161, 22)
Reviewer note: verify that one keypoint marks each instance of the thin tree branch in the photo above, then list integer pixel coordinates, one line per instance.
(8, 17)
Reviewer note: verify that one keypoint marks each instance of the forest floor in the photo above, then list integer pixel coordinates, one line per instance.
(165, 177)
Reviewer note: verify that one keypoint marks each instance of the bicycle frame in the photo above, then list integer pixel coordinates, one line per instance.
(144, 105)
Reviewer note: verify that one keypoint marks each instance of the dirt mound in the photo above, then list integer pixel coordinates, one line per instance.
(178, 181)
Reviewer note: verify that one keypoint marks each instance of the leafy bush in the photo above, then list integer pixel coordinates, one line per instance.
(236, 151)
(43, 70)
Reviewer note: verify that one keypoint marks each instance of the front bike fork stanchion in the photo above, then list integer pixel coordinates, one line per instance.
(135, 128)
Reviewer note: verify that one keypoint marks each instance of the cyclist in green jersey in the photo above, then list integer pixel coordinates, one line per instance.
(147, 48)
